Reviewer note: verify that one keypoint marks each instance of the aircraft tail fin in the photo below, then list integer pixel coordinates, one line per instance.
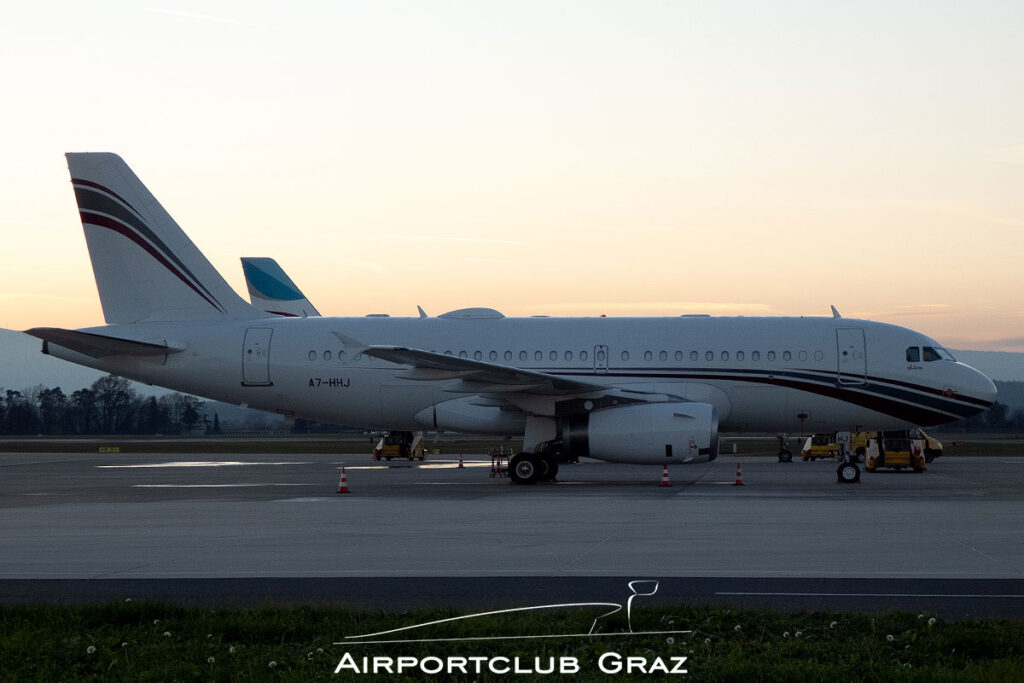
(146, 268)
(271, 290)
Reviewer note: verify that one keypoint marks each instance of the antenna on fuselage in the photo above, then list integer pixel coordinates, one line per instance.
(835, 313)
(423, 314)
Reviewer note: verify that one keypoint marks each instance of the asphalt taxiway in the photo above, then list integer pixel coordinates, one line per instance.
(212, 528)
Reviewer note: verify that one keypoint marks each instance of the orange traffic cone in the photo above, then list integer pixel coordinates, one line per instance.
(343, 482)
(739, 476)
(460, 461)
(664, 476)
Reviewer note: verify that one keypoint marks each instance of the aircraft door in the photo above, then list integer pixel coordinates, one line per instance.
(853, 365)
(256, 357)
(600, 359)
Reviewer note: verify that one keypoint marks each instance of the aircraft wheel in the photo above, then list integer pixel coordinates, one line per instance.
(524, 469)
(848, 473)
(785, 456)
(547, 464)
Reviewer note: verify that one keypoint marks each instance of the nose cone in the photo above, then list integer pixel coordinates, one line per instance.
(978, 388)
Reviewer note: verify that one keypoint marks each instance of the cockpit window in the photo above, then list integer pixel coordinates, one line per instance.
(914, 354)
(936, 353)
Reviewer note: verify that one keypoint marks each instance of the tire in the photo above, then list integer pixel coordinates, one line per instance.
(785, 456)
(848, 473)
(524, 469)
(547, 465)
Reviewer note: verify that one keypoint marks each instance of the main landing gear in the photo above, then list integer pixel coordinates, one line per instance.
(785, 455)
(530, 468)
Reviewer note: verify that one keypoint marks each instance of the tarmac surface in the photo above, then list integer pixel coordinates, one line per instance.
(247, 529)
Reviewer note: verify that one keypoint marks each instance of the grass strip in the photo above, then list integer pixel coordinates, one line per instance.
(158, 642)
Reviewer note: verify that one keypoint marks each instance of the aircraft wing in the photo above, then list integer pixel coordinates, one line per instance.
(476, 376)
(494, 379)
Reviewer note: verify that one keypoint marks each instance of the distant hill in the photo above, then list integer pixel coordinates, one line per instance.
(998, 365)
(1012, 394)
(23, 365)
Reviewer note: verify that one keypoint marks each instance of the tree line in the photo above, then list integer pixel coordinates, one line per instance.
(109, 406)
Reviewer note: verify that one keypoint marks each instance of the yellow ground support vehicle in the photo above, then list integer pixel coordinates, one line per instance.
(896, 450)
(932, 447)
(819, 446)
(405, 445)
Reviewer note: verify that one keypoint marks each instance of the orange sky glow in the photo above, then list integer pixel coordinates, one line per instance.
(577, 158)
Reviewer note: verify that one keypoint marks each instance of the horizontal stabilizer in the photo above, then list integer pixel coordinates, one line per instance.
(101, 346)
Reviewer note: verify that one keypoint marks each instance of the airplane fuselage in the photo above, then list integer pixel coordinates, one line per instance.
(761, 374)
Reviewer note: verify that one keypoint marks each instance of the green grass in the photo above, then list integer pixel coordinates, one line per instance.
(156, 642)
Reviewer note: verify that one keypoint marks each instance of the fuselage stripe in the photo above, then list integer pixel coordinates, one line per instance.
(905, 406)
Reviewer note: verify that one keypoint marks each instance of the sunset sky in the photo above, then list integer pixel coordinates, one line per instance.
(560, 158)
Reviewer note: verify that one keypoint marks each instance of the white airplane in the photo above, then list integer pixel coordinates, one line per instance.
(634, 390)
(271, 290)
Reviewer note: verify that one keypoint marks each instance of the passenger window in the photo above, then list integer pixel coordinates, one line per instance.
(679, 355)
(568, 355)
(802, 355)
(312, 355)
(914, 354)
(663, 355)
(477, 355)
(710, 355)
(359, 356)
(755, 355)
(493, 355)
(625, 355)
(648, 355)
(463, 354)
(771, 355)
(583, 355)
(725, 355)
(786, 355)
(818, 355)
(739, 355)
(693, 355)
(327, 355)
(341, 356)
(538, 355)
(522, 355)
(553, 355)
(508, 355)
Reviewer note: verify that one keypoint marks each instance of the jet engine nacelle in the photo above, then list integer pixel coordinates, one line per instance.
(649, 434)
